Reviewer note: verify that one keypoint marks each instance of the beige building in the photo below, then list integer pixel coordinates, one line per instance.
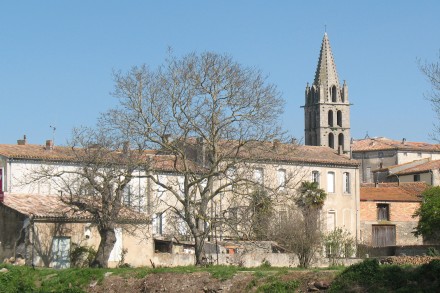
(379, 153)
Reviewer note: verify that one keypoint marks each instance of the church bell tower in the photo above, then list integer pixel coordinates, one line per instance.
(327, 108)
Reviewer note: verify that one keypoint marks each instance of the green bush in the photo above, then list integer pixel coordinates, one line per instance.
(432, 252)
(369, 276)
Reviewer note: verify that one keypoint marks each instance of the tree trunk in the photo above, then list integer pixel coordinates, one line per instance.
(108, 240)
(199, 243)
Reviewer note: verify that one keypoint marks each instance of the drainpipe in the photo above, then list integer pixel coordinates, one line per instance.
(357, 199)
(432, 177)
(31, 218)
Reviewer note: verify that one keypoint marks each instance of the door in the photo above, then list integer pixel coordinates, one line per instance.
(384, 235)
(60, 252)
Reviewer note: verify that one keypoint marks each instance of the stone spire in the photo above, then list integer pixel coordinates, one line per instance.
(326, 74)
(327, 109)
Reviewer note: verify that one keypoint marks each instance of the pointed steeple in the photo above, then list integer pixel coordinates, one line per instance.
(327, 108)
(326, 74)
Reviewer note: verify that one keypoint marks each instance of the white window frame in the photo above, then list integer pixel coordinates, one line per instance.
(281, 174)
(346, 182)
(331, 182)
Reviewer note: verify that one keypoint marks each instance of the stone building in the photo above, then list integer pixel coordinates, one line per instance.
(386, 213)
(44, 231)
(327, 107)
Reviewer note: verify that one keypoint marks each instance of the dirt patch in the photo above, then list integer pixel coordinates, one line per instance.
(204, 282)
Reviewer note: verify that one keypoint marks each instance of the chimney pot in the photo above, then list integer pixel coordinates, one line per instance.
(49, 144)
(22, 141)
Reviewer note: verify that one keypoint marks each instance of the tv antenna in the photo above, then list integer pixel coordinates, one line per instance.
(53, 133)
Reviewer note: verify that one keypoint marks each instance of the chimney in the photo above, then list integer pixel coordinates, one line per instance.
(49, 145)
(403, 140)
(22, 141)
(275, 144)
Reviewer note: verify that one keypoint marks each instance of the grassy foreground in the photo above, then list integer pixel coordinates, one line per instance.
(368, 276)
(26, 279)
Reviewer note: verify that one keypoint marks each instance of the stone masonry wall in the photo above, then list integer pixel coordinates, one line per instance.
(400, 216)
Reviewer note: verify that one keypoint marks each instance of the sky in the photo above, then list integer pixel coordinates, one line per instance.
(57, 57)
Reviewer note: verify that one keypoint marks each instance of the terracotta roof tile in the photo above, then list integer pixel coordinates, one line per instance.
(422, 168)
(383, 143)
(408, 191)
(50, 206)
(284, 152)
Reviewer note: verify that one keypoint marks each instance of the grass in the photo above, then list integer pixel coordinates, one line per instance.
(25, 279)
(368, 276)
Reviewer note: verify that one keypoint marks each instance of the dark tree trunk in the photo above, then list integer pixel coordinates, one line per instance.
(108, 240)
(199, 242)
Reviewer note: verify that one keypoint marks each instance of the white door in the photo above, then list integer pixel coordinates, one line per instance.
(60, 252)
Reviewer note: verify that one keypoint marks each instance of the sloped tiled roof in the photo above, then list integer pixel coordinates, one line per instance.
(50, 206)
(422, 168)
(284, 152)
(403, 192)
(383, 143)
(38, 152)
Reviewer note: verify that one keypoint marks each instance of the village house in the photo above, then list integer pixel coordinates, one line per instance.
(44, 232)
(424, 170)
(375, 154)
(387, 209)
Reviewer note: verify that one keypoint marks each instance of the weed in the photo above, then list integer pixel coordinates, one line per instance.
(278, 286)
(223, 272)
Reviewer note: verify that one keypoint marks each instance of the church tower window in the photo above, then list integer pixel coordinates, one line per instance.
(341, 140)
(334, 94)
(330, 118)
(339, 118)
(331, 140)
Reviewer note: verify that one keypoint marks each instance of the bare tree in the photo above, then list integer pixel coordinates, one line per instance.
(432, 72)
(95, 181)
(203, 110)
(300, 230)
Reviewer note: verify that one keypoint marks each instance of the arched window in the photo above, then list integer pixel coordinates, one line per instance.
(330, 118)
(341, 140)
(310, 120)
(331, 141)
(334, 93)
(339, 118)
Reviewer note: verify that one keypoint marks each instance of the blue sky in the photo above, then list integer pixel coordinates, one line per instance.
(57, 57)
